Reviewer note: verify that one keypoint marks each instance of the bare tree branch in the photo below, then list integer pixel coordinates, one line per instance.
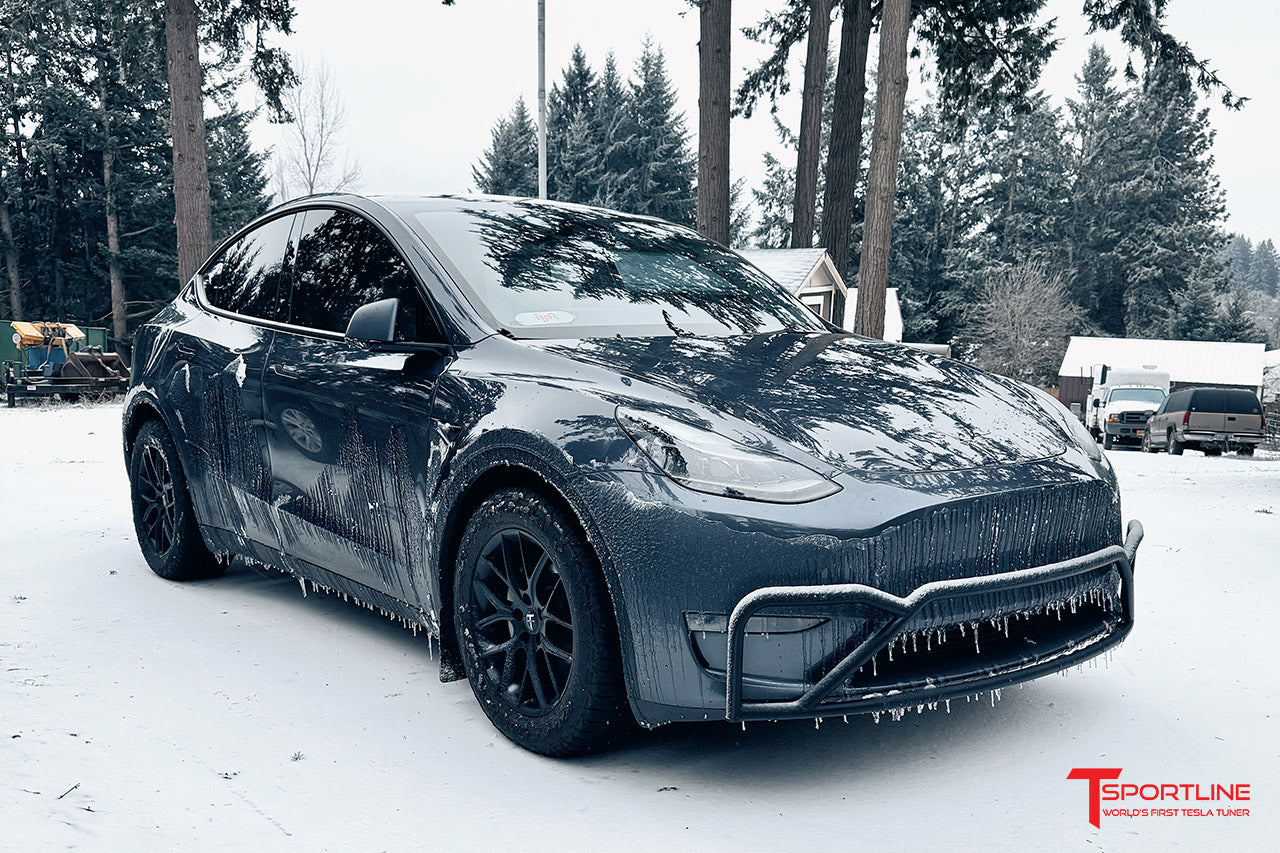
(313, 157)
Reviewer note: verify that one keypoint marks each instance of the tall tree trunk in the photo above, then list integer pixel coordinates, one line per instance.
(882, 180)
(713, 120)
(190, 157)
(114, 271)
(845, 152)
(11, 262)
(815, 81)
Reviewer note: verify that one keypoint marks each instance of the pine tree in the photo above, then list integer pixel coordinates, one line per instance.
(1194, 314)
(1098, 205)
(237, 174)
(1237, 257)
(510, 165)
(1028, 199)
(773, 201)
(573, 137)
(658, 169)
(1264, 272)
(1235, 322)
(1170, 233)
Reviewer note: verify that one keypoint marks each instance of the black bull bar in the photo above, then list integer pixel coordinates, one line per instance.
(901, 611)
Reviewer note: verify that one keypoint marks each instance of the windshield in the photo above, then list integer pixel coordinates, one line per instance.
(547, 272)
(1138, 395)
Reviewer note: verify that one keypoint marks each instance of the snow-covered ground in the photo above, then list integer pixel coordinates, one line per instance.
(137, 713)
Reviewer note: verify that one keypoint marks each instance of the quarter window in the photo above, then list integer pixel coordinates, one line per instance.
(344, 262)
(245, 278)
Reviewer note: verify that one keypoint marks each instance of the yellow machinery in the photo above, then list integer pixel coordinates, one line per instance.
(49, 366)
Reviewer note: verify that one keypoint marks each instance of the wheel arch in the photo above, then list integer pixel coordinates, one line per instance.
(511, 468)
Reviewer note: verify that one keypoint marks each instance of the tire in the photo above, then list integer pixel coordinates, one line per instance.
(1175, 446)
(1245, 450)
(162, 514)
(1107, 441)
(539, 643)
(1211, 451)
(1147, 447)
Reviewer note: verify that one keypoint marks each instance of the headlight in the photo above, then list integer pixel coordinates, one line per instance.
(704, 461)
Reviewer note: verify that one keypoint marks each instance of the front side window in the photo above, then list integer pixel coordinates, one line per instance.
(245, 278)
(343, 262)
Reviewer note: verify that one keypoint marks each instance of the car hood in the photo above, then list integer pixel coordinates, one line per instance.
(857, 404)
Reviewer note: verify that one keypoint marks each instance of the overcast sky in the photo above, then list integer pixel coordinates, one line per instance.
(423, 83)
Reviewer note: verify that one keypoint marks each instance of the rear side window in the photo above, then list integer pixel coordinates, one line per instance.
(343, 262)
(245, 277)
(1177, 401)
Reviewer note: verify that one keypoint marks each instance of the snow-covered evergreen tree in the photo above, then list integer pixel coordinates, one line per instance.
(510, 165)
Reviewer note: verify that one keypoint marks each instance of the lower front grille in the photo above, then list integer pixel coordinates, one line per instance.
(937, 657)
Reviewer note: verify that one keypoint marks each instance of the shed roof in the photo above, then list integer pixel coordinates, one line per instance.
(788, 267)
(1210, 362)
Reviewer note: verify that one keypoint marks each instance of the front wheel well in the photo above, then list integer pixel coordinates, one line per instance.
(490, 482)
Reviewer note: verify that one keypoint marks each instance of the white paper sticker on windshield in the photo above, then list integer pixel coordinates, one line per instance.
(544, 318)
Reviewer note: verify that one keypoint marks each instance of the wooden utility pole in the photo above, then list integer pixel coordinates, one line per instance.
(542, 98)
(886, 143)
(190, 156)
(815, 81)
(715, 33)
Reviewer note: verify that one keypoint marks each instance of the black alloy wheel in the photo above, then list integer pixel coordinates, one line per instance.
(163, 517)
(523, 621)
(535, 628)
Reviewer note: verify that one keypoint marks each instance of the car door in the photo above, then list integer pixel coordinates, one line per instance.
(1155, 430)
(349, 429)
(225, 349)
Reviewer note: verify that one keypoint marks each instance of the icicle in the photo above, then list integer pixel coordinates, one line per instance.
(948, 701)
(303, 584)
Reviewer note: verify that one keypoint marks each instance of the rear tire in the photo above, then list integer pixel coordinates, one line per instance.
(1211, 451)
(1107, 441)
(1175, 446)
(536, 629)
(163, 517)
(1245, 450)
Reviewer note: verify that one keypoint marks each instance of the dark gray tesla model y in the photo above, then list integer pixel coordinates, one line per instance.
(619, 472)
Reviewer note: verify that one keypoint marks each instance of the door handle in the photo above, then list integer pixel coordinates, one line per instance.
(287, 372)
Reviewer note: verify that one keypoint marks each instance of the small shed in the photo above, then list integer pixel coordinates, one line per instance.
(1210, 363)
(811, 275)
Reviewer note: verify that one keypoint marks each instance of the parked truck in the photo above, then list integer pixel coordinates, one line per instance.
(1122, 399)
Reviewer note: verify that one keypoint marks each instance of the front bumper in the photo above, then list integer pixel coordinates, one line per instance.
(1121, 430)
(1105, 609)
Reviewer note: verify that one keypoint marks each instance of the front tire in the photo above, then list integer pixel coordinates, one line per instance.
(163, 516)
(536, 630)
(1107, 441)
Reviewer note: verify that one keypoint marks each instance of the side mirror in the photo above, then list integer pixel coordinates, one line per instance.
(375, 322)
(1096, 401)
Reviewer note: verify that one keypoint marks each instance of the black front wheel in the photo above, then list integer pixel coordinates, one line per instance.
(536, 628)
(162, 514)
